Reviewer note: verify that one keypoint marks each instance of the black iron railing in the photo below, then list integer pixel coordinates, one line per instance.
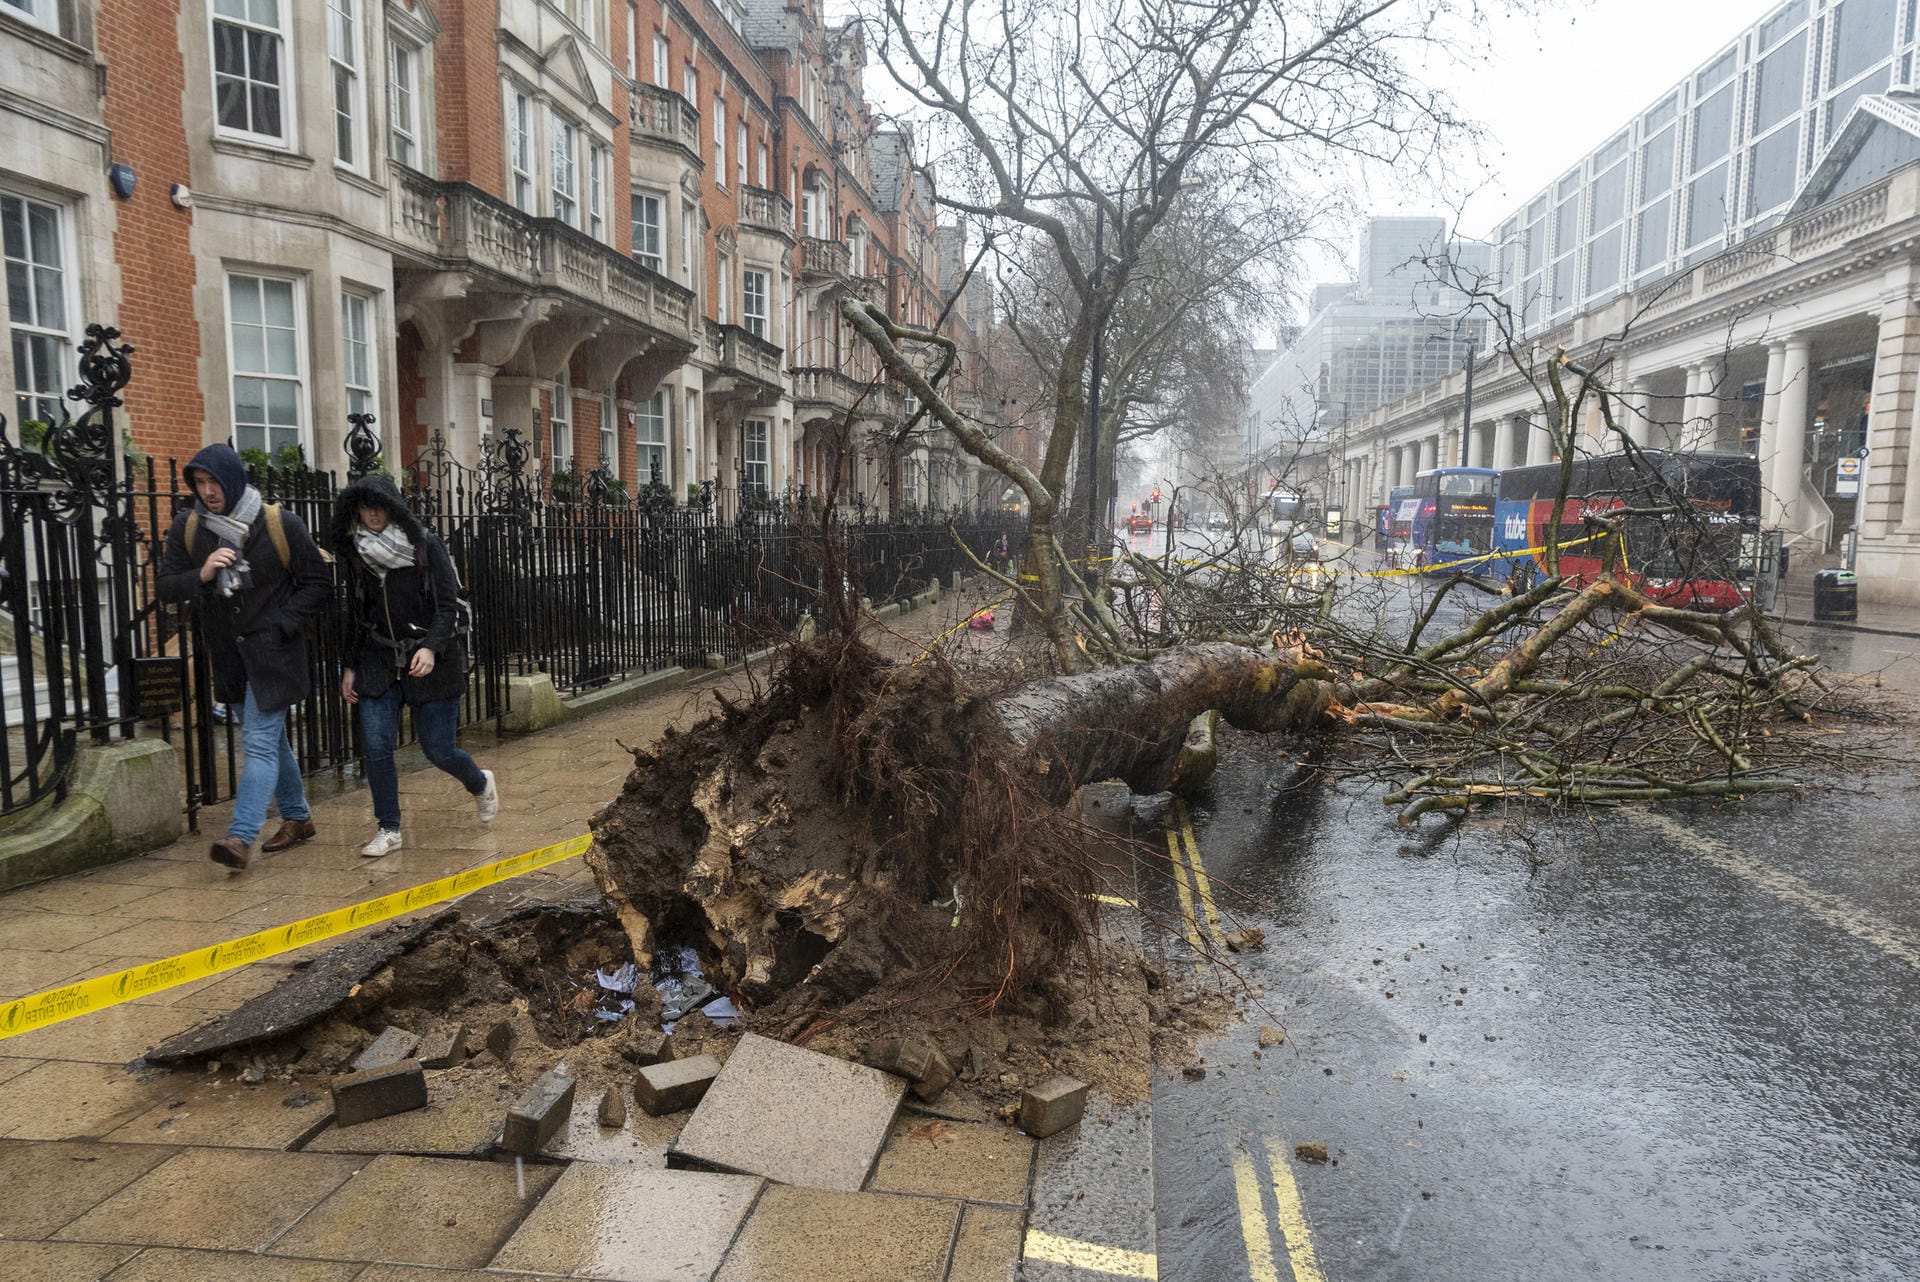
(610, 585)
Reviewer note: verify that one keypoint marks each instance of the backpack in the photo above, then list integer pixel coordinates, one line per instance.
(462, 602)
(276, 533)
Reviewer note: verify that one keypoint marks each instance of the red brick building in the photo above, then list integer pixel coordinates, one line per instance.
(622, 227)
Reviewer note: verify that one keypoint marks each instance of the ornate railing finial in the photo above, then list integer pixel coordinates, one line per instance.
(363, 447)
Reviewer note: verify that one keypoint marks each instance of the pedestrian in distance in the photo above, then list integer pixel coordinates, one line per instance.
(254, 578)
(406, 645)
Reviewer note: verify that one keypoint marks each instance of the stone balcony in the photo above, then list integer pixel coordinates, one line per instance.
(824, 261)
(662, 118)
(456, 226)
(767, 213)
(748, 370)
(817, 388)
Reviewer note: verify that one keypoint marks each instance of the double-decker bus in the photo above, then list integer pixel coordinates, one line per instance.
(1451, 521)
(1393, 523)
(1669, 557)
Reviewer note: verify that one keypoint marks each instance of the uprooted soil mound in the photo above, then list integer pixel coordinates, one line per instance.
(860, 834)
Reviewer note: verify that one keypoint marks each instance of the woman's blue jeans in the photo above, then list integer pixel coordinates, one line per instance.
(437, 724)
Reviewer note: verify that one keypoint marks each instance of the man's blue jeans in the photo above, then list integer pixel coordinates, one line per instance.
(437, 724)
(268, 769)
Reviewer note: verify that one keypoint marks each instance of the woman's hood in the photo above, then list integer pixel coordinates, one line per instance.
(370, 491)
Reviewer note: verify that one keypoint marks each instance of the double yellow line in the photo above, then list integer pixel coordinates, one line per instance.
(1201, 918)
(1288, 1213)
(1199, 915)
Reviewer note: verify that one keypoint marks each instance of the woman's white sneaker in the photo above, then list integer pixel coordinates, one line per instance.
(488, 802)
(384, 842)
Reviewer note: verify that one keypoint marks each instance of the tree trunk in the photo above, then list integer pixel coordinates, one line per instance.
(1128, 723)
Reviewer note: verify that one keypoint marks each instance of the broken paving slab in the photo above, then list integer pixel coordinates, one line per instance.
(302, 998)
(587, 1224)
(1052, 1106)
(674, 1085)
(792, 1115)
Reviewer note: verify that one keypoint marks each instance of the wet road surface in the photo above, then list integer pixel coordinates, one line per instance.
(1678, 1044)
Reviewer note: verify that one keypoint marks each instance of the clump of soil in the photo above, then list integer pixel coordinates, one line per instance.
(857, 839)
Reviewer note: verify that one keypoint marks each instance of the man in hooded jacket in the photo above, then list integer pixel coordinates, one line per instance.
(403, 647)
(251, 608)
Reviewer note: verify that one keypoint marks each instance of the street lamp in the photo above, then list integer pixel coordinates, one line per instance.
(1466, 397)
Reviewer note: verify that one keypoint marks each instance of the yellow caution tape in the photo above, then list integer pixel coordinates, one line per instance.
(89, 995)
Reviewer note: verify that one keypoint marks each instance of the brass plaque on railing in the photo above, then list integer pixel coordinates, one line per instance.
(157, 685)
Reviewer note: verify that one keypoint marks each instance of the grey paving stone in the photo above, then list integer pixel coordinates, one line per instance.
(824, 1236)
(539, 1113)
(390, 1047)
(420, 1210)
(1052, 1106)
(49, 1185)
(214, 1199)
(378, 1092)
(587, 1224)
(978, 1162)
(443, 1046)
(792, 1115)
(674, 1085)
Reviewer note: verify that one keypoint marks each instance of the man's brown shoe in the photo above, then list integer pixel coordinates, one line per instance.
(230, 851)
(291, 834)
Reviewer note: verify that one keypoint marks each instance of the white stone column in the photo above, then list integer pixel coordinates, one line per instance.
(1429, 452)
(1510, 445)
(1539, 440)
(1635, 412)
(1796, 373)
(1682, 433)
(1703, 420)
(1770, 431)
(1893, 432)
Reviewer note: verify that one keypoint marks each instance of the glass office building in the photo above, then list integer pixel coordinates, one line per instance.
(1717, 158)
(1367, 342)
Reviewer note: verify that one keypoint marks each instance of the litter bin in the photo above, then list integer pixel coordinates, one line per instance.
(1835, 595)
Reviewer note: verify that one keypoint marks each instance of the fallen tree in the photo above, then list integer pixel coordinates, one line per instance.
(864, 821)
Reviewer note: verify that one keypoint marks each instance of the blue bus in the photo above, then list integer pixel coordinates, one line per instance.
(1449, 519)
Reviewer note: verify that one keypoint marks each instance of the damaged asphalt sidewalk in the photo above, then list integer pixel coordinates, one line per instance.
(790, 1164)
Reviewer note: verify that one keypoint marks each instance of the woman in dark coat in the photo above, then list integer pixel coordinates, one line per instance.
(403, 646)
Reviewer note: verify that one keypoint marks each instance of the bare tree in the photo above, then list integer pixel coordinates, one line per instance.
(1106, 112)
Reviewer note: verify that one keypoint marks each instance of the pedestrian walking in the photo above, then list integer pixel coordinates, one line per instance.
(254, 578)
(406, 645)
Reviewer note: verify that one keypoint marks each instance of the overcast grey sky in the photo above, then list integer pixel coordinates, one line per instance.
(1547, 89)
